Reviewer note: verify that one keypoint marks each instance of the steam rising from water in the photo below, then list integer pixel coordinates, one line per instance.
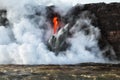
(24, 41)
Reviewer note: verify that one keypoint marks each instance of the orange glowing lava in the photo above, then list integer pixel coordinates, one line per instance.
(56, 24)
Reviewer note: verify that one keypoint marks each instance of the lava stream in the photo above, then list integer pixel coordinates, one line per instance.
(56, 24)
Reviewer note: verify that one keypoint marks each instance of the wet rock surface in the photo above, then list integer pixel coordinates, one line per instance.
(86, 71)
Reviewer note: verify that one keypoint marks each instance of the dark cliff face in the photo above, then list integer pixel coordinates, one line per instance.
(108, 18)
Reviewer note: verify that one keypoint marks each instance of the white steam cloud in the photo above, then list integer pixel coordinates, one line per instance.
(24, 41)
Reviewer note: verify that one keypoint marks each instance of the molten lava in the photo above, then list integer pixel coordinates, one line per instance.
(56, 24)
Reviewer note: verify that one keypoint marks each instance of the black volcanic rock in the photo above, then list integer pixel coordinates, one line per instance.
(108, 16)
(3, 19)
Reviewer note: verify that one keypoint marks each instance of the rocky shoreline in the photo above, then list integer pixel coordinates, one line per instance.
(85, 71)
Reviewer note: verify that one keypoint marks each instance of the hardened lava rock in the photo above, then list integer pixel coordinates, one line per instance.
(3, 19)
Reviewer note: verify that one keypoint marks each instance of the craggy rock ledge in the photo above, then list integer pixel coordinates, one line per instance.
(85, 71)
(108, 18)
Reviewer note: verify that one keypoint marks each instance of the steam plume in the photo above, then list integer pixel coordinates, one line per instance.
(24, 40)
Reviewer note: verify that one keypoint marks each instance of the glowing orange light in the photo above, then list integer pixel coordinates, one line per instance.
(56, 24)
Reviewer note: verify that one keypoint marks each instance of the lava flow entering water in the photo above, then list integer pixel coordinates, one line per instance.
(56, 24)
